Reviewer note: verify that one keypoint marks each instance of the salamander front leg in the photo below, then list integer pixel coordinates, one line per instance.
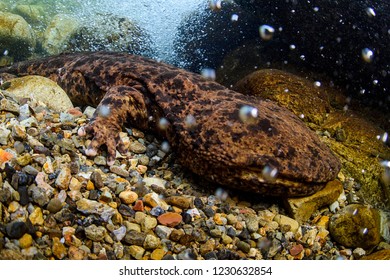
(120, 104)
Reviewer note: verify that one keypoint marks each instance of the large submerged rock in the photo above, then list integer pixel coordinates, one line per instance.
(110, 33)
(17, 38)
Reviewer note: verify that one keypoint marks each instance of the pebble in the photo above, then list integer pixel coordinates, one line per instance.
(136, 252)
(95, 233)
(76, 253)
(180, 201)
(296, 250)
(252, 223)
(163, 232)
(284, 221)
(157, 254)
(59, 250)
(63, 178)
(207, 247)
(119, 233)
(137, 147)
(151, 242)
(358, 253)
(149, 181)
(126, 210)
(25, 241)
(139, 206)
(153, 200)
(243, 246)
(170, 219)
(119, 171)
(97, 180)
(36, 217)
(128, 197)
(87, 206)
(54, 205)
(148, 223)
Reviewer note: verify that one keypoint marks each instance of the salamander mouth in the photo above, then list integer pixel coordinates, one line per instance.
(265, 184)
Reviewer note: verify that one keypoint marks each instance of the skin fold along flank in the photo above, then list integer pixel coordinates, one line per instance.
(222, 135)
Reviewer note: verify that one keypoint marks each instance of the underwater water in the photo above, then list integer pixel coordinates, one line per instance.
(160, 18)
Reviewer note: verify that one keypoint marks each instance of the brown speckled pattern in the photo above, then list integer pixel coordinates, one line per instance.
(220, 147)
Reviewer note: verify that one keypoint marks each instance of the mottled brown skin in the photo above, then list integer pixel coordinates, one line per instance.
(220, 147)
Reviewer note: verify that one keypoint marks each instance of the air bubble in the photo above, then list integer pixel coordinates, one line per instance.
(292, 47)
(215, 5)
(248, 114)
(302, 116)
(384, 137)
(269, 173)
(190, 122)
(234, 17)
(163, 124)
(221, 194)
(375, 82)
(316, 9)
(266, 32)
(104, 111)
(365, 231)
(165, 147)
(209, 73)
(367, 55)
(370, 12)
(386, 172)
(354, 213)
(6, 52)
(317, 83)
(302, 57)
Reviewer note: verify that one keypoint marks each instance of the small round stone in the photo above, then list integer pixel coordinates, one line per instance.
(128, 197)
(54, 205)
(25, 241)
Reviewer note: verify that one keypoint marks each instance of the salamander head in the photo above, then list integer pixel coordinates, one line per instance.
(270, 152)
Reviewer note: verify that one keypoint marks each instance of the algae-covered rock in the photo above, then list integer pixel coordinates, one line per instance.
(298, 94)
(42, 89)
(16, 36)
(356, 226)
(59, 32)
(361, 154)
(34, 14)
(110, 33)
